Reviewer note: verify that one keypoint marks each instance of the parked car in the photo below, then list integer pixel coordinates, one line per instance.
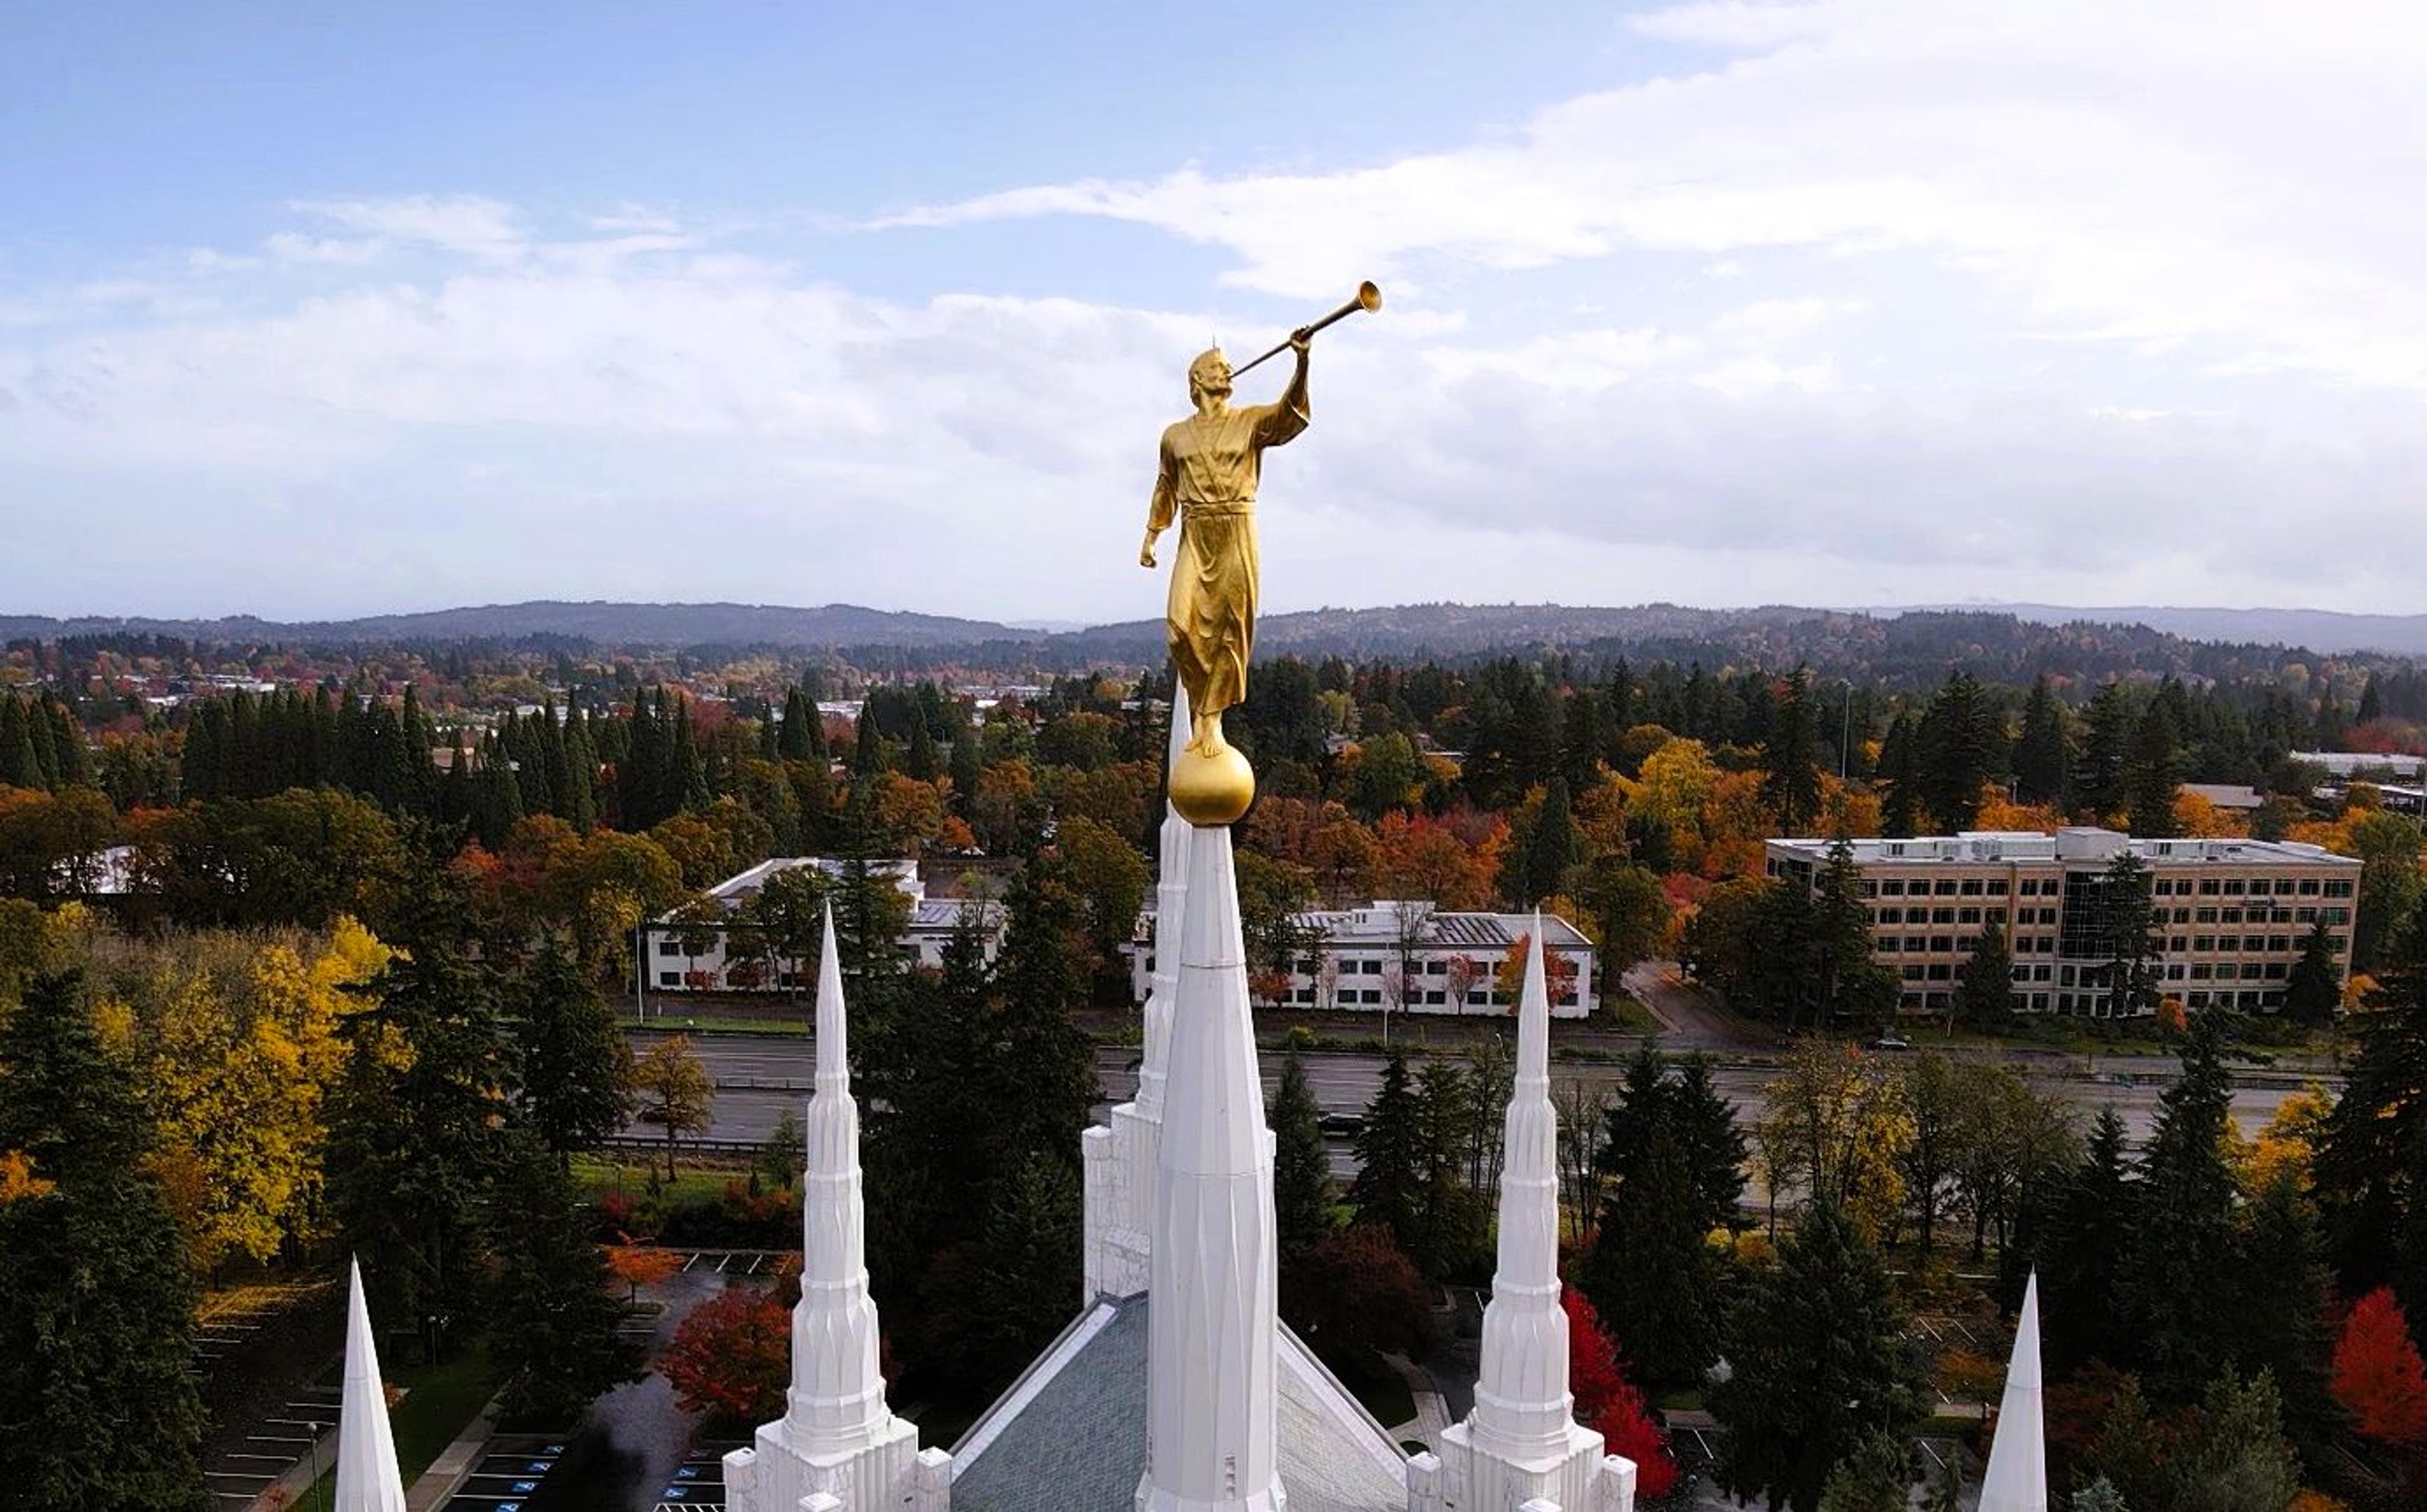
(1891, 1042)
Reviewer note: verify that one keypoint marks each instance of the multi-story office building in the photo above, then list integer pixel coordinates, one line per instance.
(2230, 916)
(1407, 956)
(684, 952)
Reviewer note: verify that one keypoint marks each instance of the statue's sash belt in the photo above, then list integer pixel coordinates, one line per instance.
(1215, 509)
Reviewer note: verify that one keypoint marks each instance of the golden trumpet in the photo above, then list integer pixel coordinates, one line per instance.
(1369, 297)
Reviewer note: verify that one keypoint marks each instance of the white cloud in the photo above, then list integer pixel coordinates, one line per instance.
(1880, 301)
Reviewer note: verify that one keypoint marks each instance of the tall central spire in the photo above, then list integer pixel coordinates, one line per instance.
(366, 1474)
(1522, 1447)
(837, 1437)
(2016, 1480)
(1211, 1322)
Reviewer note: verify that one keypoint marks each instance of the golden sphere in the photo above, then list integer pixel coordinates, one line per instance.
(1211, 790)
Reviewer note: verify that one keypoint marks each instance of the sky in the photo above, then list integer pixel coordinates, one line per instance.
(316, 312)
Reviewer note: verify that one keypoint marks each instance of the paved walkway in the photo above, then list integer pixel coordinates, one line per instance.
(453, 1463)
(1432, 1408)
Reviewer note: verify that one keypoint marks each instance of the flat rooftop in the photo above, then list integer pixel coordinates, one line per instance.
(2082, 844)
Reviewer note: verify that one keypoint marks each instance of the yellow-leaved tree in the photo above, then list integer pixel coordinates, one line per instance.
(236, 1041)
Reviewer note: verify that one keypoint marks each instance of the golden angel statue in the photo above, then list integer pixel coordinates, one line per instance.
(1206, 482)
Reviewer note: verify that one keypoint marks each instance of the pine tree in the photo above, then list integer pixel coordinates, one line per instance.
(2367, 1170)
(2155, 775)
(1673, 1166)
(1791, 781)
(2315, 987)
(1388, 1188)
(1552, 847)
(96, 1295)
(1898, 769)
(868, 745)
(2106, 754)
(799, 729)
(2371, 702)
(2127, 937)
(553, 1326)
(1821, 1356)
(2042, 754)
(919, 762)
(2082, 1260)
(18, 765)
(1986, 997)
(1301, 1167)
(2183, 1234)
(415, 1139)
(577, 1066)
(1961, 746)
(1875, 1474)
(2276, 1293)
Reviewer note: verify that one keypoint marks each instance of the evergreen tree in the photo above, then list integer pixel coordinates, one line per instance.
(1672, 1165)
(415, 1139)
(2370, 1172)
(2276, 1293)
(1821, 1356)
(18, 765)
(1899, 770)
(2371, 702)
(1791, 780)
(97, 1403)
(968, 764)
(2127, 935)
(921, 761)
(799, 737)
(2042, 754)
(2183, 1234)
(2315, 987)
(1875, 1475)
(553, 1323)
(1854, 990)
(2106, 753)
(867, 746)
(580, 793)
(686, 774)
(2082, 1260)
(1587, 737)
(1301, 1167)
(1027, 1267)
(2155, 775)
(1986, 997)
(1552, 847)
(1388, 1188)
(577, 1065)
(1960, 747)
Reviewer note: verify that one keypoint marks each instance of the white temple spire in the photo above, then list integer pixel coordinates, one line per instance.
(1211, 1320)
(1521, 1446)
(366, 1474)
(1522, 1402)
(836, 1398)
(1171, 893)
(837, 1437)
(2016, 1480)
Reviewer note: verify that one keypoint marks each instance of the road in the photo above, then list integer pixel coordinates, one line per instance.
(757, 1077)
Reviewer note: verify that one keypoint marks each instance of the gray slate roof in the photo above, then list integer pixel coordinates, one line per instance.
(1071, 1435)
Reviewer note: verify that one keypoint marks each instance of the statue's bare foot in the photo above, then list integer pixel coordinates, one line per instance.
(1206, 739)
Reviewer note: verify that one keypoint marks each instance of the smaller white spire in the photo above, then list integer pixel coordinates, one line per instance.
(837, 1396)
(366, 1474)
(2016, 1480)
(834, 1048)
(1521, 1402)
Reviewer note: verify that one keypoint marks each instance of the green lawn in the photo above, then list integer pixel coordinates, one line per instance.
(439, 1401)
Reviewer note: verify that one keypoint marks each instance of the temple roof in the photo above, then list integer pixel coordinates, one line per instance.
(1070, 1434)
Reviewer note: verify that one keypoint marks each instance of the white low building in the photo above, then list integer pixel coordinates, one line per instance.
(694, 954)
(1407, 956)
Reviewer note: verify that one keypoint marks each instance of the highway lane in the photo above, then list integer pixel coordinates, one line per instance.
(758, 1077)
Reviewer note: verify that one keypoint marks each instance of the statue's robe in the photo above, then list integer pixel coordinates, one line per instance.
(1208, 482)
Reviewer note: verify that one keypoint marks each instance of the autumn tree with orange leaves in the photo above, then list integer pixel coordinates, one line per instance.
(732, 1356)
(2379, 1377)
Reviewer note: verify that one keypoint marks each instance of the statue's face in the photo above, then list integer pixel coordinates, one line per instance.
(1210, 374)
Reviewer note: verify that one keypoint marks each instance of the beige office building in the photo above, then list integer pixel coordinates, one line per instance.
(2232, 915)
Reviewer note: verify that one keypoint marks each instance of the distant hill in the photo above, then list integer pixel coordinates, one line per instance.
(2319, 629)
(607, 623)
(1770, 634)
